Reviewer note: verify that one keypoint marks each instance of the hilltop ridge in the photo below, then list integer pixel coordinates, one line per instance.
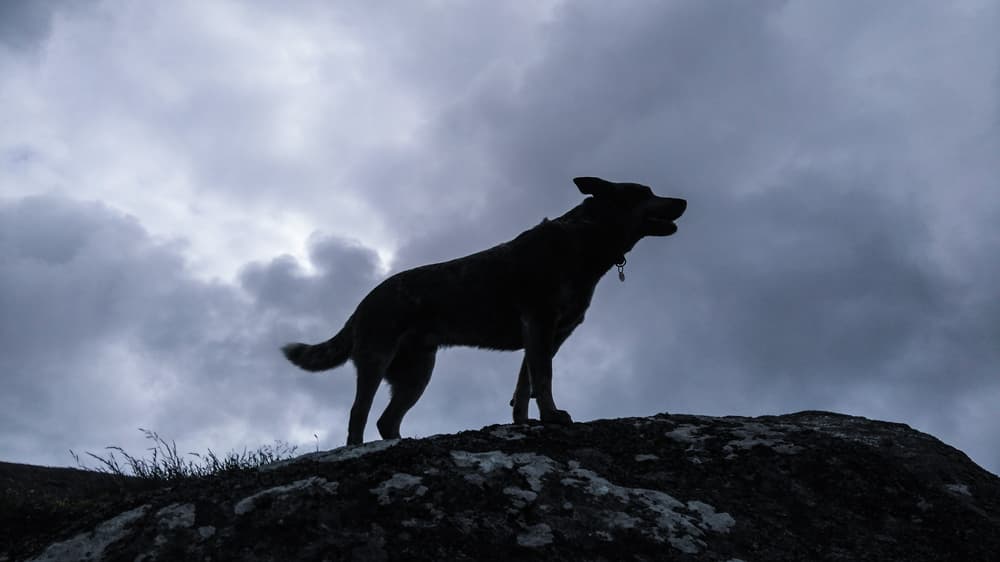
(804, 486)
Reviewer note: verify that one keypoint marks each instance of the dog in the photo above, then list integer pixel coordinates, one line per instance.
(528, 293)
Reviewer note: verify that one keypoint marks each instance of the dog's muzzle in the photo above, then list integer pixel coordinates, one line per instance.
(661, 214)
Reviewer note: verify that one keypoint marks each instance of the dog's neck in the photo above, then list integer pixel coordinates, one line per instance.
(606, 243)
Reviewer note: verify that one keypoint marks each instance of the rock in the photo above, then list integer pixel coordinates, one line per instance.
(806, 486)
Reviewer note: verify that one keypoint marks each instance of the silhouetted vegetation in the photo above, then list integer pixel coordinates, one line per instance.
(166, 464)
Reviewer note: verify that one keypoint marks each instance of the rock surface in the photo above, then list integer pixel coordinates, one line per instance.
(806, 486)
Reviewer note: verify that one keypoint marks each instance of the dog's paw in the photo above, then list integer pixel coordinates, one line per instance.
(520, 414)
(522, 420)
(560, 417)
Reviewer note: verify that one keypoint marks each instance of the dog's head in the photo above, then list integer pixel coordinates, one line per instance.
(635, 206)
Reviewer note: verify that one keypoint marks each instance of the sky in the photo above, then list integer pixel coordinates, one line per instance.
(187, 186)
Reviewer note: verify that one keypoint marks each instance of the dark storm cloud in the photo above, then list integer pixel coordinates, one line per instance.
(25, 24)
(808, 272)
(636, 94)
(800, 290)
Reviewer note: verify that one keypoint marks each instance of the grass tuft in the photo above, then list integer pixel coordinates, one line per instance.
(165, 464)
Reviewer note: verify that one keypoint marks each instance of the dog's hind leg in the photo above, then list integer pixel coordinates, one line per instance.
(370, 367)
(408, 375)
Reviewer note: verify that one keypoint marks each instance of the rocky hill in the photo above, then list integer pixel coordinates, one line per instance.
(806, 486)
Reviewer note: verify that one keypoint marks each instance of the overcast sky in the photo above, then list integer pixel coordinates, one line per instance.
(186, 186)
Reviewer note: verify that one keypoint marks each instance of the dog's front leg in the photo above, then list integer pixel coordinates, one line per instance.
(522, 394)
(539, 345)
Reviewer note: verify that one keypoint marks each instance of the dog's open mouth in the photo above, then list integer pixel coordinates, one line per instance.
(661, 227)
(667, 210)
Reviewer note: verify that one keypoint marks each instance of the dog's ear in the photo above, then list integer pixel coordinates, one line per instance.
(593, 186)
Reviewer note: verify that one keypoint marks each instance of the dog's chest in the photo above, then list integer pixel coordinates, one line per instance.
(571, 301)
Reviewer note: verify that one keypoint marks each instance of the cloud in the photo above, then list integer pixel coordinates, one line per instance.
(24, 26)
(105, 330)
(260, 168)
(345, 270)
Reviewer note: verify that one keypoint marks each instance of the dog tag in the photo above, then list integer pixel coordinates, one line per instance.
(621, 274)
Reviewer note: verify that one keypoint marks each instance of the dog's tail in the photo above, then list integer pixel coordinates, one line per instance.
(322, 356)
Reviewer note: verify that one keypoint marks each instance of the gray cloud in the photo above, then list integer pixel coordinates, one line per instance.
(837, 252)
(104, 330)
(809, 270)
(345, 271)
(24, 25)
